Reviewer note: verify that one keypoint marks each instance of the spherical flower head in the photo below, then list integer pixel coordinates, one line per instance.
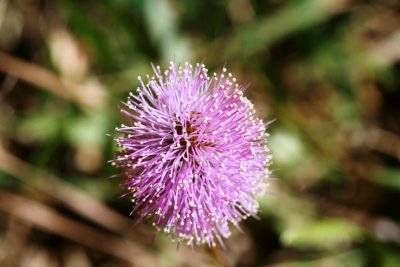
(193, 155)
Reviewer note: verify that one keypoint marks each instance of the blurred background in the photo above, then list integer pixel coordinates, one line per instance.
(327, 70)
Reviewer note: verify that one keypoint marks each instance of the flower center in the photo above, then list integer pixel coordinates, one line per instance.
(188, 134)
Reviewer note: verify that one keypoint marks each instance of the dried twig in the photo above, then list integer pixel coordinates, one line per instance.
(34, 74)
(379, 140)
(388, 51)
(45, 79)
(46, 219)
(72, 198)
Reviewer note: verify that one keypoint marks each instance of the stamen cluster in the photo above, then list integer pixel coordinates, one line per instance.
(193, 155)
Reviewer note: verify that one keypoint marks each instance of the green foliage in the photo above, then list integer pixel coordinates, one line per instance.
(322, 234)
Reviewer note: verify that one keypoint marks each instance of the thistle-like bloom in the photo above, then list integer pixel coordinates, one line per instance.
(193, 155)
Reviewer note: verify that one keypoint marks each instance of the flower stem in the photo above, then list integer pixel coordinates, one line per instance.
(219, 256)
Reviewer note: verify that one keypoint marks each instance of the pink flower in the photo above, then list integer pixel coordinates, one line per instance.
(194, 156)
